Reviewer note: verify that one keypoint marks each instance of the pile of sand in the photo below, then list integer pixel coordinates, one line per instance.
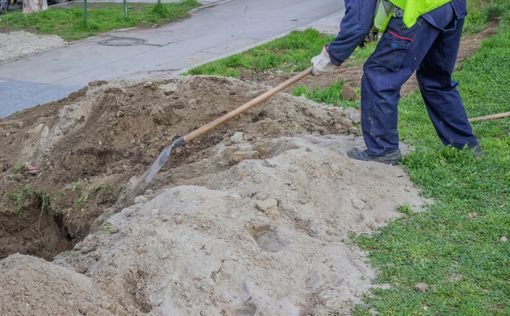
(264, 237)
(255, 223)
(88, 146)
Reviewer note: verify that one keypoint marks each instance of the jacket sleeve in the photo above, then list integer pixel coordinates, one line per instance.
(355, 25)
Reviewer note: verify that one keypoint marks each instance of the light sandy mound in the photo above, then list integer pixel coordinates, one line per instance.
(14, 45)
(265, 237)
(32, 286)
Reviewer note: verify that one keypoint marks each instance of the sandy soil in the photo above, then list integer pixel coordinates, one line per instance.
(18, 44)
(252, 219)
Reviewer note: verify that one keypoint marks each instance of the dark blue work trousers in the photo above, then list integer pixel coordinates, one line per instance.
(431, 51)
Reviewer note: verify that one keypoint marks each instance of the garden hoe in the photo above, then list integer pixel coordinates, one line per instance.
(148, 177)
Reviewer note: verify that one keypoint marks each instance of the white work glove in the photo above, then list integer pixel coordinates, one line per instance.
(322, 63)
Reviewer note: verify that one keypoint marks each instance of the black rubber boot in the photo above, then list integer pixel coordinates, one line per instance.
(390, 159)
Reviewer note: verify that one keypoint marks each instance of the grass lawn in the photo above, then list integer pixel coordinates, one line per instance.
(457, 247)
(67, 21)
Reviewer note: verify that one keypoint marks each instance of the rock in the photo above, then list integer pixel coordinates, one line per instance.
(358, 204)
(269, 164)
(267, 206)
(455, 277)
(239, 156)
(353, 114)
(503, 239)
(140, 199)
(472, 215)
(421, 287)
(346, 122)
(237, 137)
(348, 93)
(261, 196)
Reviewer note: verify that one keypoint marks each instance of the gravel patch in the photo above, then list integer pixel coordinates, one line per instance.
(19, 44)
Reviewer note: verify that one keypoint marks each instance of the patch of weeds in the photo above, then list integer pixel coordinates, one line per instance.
(80, 201)
(481, 12)
(44, 201)
(360, 55)
(123, 188)
(161, 10)
(18, 167)
(66, 253)
(105, 229)
(406, 209)
(330, 95)
(19, 197)
(100, 187)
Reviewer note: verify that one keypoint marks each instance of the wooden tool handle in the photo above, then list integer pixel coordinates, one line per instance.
(245, 107)
(490, 117)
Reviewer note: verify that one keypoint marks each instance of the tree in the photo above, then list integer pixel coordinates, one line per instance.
(30, 6)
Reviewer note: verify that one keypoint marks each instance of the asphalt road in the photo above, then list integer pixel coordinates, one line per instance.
(208, 35)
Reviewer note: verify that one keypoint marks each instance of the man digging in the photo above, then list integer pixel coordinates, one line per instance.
(421, 36)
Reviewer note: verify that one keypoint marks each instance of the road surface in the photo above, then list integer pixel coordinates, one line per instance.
(209, 34)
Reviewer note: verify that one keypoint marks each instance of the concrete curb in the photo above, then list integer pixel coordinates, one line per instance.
(209, 5)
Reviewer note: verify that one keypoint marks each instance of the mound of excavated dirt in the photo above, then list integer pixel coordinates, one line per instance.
(252, 219)
(88, 146)
(32, 286)
(262, 237)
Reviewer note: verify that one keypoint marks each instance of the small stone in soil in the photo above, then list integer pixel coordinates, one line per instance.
(267, 206)
(421, 287)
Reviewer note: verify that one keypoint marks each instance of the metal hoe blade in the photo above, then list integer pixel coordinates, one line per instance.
(158, 164)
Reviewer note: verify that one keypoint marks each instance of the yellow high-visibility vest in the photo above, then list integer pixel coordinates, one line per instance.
(412, 9)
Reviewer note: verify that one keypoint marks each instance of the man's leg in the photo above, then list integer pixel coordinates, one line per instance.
(439, 91)
(398, 54)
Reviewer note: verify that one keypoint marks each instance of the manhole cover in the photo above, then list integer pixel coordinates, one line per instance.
(122, 41)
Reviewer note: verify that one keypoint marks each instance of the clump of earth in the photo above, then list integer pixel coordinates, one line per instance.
(252, 219)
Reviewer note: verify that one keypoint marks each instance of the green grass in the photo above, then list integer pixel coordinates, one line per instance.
(290, 54)
(329, 95)
(67, 22)
(18, 167)
(481, 12)
(19, 197)
(44, 201)
(100, 187)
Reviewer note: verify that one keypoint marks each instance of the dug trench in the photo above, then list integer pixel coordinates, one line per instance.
(88, 146)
